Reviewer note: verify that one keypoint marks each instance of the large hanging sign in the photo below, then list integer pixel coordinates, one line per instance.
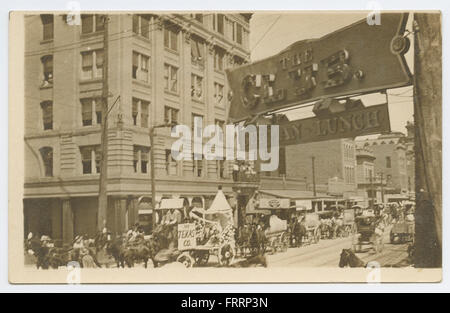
(357, 59)
(348, 124)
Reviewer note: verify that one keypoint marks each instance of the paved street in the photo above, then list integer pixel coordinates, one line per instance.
(326, 253)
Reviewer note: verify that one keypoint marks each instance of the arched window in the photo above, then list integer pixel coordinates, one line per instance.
(47, 159)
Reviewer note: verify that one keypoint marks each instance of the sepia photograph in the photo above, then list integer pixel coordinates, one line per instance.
(225, 146)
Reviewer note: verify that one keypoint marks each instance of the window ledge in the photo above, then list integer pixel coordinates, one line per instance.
(172, 51)
(92, 34)
(219, 106)
(46, 41)
(46, 87)
(198, 101)
(171, 93)
(91, 80)
(141, 37)
(141, 83)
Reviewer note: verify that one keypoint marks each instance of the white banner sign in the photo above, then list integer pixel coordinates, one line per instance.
(186, 236)
(303, 205)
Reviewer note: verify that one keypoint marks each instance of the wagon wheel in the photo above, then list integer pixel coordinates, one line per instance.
(273, 245)
(201, 257)
(317, 234)
(186, 259)
(353, 228)
(284, 241)
(347, 230)
(226, 255)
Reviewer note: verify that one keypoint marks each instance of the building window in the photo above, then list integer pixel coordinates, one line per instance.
(220, 23)
(170, 115)
(198, 17)
(141, 25)
(218, 59)
(170, 78)
(171, 164)
(47, 70)
(199, 129)
(47, 23)
(197, 51)
(238, 61)
(140, 112)
(170, 37)
(239, 32)
(196, 87)
(140, 159)
(91, 112)
(140, 66)
(47, 159)
(92, 64)
(388, 162)
(92, 23)
(47, 114)
(218, 94)
(90, 159)
(197, 167)
(221, 125)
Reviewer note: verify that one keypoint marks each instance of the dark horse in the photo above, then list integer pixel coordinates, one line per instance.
(257, 241)
(243, 239)
(127, 253)
(349, 258)
(40, 252)
(298, 232)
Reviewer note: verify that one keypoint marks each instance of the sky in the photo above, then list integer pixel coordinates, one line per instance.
(272, 32)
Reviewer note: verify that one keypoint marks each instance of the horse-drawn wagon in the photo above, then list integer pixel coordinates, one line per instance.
(211, 233)
(403, 230)
(277, 234)
(312, 225)
(369, 233)
(348, 222)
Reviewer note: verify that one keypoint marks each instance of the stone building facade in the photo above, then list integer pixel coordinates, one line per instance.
(162, 68)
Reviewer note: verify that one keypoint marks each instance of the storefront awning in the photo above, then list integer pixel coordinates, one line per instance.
(294, 194)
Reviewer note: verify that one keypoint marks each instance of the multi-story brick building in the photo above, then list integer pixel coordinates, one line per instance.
(334, 164)
(390, 160)
(162, 68)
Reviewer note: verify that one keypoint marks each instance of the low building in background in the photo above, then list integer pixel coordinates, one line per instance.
(334, 166)
(390, 162)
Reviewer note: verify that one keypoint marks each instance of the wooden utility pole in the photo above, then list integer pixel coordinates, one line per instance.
(313, 159)
(103, 184)
(428, 138)
(372, 191)
(382, 188)
(152, 173)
